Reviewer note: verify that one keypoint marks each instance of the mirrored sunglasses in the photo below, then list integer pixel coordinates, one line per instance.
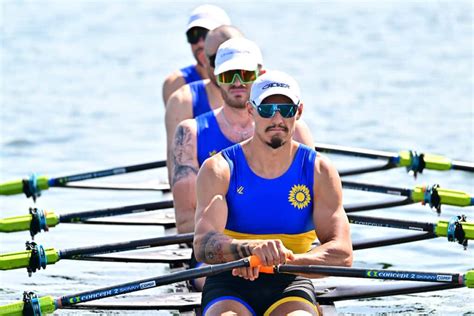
(268, 110)
(245, 76)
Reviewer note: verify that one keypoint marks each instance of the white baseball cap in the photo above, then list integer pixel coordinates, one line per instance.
(208, 16)
(237, 53)
(274, 82)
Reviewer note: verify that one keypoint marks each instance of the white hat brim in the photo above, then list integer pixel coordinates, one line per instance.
(244, 63)
(275, 91)
(204, 23)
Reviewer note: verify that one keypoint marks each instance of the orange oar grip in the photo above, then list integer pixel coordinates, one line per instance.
(254, 261)
(266, 269)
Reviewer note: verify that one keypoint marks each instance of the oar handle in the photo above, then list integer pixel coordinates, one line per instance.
(256, 263)
(23, 222)
(46, 303)
(21, 259)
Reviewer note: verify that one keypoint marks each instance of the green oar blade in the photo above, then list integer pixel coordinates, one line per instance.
(21, 259)
(23, 222)
(46, 303)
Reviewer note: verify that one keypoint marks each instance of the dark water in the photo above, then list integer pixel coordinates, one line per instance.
(81, 90)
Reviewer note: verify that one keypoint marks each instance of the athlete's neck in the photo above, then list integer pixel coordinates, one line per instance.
(266, 161)
(236, 124)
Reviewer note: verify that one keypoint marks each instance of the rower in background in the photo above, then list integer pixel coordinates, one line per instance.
(266, 197)
(200, 96)
(203, 19)
(197, 139)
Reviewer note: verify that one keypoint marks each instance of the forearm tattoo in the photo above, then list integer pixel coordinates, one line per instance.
(183, 155)
(241, 250)
(216, 248)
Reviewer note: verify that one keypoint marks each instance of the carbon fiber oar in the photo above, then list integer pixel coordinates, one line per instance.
(48, 304)
(36, 257)
(434, 196)
(466, 279)
(39, 220)
(32, 187)
(412, 160)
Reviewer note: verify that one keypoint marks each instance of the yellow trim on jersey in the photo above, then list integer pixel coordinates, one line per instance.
(298, 243)
(289, 299)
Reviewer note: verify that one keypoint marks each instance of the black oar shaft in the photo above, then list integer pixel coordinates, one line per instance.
(74, 253)
(368, 187)
(361, 170)
(464, 166)
(391, 223)
(389, 241)
(367, 206)
(453, 278)
(105, 173)
(137, 208)
(355, 152)
(150, 283)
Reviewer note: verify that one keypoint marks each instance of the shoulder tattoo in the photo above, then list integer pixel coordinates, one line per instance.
(182, 154)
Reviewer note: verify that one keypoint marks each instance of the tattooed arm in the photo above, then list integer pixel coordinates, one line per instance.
(210, 244)
(178, 108)
(183, 175)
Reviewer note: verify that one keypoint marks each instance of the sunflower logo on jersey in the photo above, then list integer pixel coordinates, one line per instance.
(299, 196)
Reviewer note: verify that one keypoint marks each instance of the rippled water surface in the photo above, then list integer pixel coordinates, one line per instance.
(81, 90)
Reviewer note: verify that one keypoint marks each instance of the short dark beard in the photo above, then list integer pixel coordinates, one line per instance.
(275, 142)
(236, 104)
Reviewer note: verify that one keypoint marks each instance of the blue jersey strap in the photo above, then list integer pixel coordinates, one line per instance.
(200, 100)
(190, 74)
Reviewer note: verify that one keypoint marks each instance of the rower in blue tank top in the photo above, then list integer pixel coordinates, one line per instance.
(287, 200)
(208, 129)
(190, 74)
(203, 19)
(268, 197)
(200, 99)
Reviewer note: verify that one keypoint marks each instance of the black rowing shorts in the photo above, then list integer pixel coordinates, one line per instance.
(258, 295)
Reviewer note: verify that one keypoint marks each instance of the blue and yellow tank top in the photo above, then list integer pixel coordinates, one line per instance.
(210, 139)
(280, 208)
(190, 74)
(200, 100)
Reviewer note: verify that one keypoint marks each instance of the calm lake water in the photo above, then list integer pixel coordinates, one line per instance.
(81, 91)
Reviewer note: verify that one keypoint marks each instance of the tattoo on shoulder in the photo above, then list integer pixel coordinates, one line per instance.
(183, 151)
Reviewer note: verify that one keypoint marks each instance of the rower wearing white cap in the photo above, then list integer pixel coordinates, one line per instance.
(197, 139)
(203, 19)
(200, 96)
(267, 196)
